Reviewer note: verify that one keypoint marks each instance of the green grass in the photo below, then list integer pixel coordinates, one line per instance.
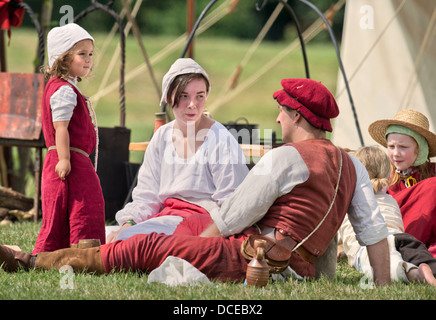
(46, 285)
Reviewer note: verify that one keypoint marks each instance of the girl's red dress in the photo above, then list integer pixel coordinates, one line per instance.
(418, 208)
(72, 209)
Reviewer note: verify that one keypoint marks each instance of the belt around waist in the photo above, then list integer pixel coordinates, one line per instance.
(72, 149)
(291, 243)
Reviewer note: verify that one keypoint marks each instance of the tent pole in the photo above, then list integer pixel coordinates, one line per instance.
(190, 25)
(332, 36)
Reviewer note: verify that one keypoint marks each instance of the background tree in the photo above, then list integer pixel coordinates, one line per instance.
(169, 17)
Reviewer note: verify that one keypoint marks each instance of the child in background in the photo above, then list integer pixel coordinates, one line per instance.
(72, 198)
(377, 164)
(410, 145)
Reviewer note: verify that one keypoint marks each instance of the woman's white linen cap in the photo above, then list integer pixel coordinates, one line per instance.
(180, 66)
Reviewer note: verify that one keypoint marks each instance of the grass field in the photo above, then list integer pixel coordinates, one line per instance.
(47, 285)
(219, 57)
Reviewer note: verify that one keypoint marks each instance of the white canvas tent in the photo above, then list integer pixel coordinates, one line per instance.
(389, 56)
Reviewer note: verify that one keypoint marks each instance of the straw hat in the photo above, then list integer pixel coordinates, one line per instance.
(408, 118)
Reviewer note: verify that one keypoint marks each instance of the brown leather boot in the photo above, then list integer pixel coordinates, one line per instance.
(88, 260)
(12, 260)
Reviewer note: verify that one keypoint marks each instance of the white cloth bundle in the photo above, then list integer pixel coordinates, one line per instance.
(175, 271)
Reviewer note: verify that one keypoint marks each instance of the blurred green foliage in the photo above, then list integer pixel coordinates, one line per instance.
(169, 17)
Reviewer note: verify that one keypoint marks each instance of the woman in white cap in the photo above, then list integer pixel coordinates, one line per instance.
(191, 164)
(410, 145)
(72, 199)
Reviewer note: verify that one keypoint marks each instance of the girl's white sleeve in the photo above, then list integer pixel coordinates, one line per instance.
(62, 103)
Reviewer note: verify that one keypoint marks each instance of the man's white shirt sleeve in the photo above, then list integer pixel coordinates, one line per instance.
(276, 174)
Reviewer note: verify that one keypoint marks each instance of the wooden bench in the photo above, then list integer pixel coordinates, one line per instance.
(249, 150)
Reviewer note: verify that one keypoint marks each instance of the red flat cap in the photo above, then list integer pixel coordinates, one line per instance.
(311, 98)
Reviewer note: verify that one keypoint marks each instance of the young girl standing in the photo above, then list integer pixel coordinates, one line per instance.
(72, 198)
(410, 145)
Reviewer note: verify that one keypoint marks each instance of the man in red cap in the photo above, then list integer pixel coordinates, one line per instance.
(295, 198)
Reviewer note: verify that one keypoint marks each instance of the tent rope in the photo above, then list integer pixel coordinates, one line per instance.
(116, 54)
(107, 9)
(231, 83)
(208, 21)
(310, 33)
(138, 37)
(341, 67)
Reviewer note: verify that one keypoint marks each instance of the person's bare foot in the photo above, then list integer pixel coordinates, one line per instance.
(427, 274)
(422, 274)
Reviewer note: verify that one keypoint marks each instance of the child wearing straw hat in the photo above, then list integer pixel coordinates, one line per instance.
(410, 145)
(377, 163)
(71, 194)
